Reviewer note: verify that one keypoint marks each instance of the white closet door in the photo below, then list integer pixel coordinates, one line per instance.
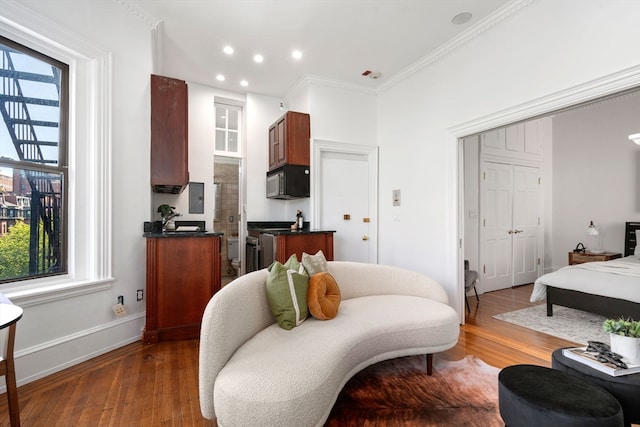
(510, 203)
(526, 224)
(496, 206)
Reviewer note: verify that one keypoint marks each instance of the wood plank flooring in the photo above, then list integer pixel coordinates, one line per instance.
(157, 385)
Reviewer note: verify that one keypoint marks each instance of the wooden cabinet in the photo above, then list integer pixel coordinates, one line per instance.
(183, 273)
(579, 258)
(288, 244)
(169, 135)
(289, 140)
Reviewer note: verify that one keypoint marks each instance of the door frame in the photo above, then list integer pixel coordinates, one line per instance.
(608, 84)
(320, 147)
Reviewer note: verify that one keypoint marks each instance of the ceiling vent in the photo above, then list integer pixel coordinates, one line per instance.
(372, 74)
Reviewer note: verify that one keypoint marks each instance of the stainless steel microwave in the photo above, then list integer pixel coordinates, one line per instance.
(288, 182)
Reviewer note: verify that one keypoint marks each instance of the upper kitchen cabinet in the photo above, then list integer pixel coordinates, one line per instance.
(169, 135)
(289, 140)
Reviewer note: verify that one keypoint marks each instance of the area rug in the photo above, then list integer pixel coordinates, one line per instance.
(399, 392)
(566, 323)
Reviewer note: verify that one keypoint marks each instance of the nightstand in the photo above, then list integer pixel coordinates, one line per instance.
(579, 258)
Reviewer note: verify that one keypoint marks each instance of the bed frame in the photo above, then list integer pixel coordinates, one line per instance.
(605, 306)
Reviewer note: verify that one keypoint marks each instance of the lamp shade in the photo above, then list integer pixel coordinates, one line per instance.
(592, 230)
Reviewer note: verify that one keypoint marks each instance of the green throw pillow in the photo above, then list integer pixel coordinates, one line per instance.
(314, 263)
(287, 295)
(292, 264)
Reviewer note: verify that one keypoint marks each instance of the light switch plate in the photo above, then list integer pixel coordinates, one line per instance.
(396, 197)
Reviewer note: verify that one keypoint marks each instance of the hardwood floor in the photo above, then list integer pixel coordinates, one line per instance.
(157, 384)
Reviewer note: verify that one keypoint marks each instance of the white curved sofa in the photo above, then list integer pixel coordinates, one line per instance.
(254, 373)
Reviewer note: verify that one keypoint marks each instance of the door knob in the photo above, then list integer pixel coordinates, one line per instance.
(365, 237)
(518, 231)
(510, 231)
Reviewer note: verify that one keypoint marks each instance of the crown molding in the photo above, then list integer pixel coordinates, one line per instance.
(139, 12)
(463, 38)
(565, 100)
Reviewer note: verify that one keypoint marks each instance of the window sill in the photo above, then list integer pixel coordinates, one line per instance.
(50, 291)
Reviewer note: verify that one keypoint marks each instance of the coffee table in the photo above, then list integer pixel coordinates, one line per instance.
(626, 388)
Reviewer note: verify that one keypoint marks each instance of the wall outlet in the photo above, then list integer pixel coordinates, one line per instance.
(119, 310)
(139, 294)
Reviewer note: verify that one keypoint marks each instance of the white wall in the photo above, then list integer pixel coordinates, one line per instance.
(595, 174)
(261, 112)
(545, 48)
(56, 333)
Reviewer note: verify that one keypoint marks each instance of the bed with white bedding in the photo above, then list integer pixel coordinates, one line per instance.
(610, 288)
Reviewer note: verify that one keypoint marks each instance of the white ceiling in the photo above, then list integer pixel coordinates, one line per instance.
(339, 39)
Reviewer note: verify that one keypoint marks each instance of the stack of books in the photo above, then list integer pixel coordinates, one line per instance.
(589, 358)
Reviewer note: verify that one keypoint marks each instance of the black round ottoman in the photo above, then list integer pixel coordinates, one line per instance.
(626, 388)
(532, 395)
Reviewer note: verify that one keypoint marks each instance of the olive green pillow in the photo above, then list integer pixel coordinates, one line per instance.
(292, 264)
(287, 295)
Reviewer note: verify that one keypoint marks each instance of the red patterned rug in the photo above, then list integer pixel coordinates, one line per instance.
(399, 392)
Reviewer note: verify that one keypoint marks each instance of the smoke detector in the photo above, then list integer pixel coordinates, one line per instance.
(374, 75)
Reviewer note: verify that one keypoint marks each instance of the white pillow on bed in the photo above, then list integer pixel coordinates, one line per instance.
(636, 252)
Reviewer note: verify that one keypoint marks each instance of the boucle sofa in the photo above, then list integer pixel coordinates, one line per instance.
(254, 373)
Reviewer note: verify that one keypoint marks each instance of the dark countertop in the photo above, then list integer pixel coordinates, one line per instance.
(280, 228)
(280, 231)
(184, 234)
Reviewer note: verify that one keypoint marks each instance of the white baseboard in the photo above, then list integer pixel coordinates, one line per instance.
(50, 357)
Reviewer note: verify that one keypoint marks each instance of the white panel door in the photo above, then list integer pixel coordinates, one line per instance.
(344, 205)
(496, 206)
(526, 224)
(510, 203)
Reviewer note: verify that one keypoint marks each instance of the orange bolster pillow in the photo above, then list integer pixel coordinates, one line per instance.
(323, 296)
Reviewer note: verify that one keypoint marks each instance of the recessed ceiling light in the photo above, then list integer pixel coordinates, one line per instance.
(244, 83)
(258, 58)
(220, 77)
(461, 18)
(228, 50)
(296, 54)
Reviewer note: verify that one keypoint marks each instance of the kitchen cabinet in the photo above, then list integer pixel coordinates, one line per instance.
(169, 135)
(289, 140)
(297, 243)
(183, 273)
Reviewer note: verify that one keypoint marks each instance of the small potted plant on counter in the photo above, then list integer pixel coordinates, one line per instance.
(167, 213)
(625, 338)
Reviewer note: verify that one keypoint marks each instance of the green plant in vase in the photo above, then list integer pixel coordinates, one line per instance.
(167, 213)
(624, 327)
(625, 338)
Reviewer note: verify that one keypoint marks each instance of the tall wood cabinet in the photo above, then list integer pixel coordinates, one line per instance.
(183, 273)
(289, 140)
(169, 135)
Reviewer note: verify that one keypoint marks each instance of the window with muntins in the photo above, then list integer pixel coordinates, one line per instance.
(228, 124)
(33, 163)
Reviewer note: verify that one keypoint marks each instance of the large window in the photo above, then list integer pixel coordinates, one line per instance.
(33, 163)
